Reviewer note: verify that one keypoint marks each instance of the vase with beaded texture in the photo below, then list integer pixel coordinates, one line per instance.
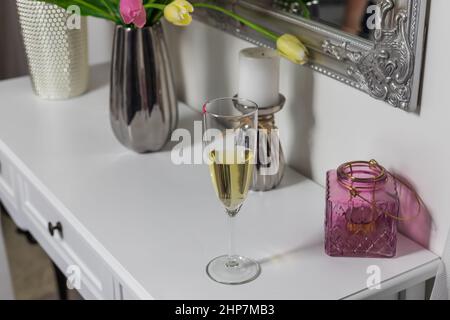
(56, 52)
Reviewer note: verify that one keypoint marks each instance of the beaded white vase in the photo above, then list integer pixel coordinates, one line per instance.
(57, 55)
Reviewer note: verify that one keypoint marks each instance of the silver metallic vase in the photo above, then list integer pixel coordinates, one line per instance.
(143, 104)
(56, 49)
(270, 165)
(270, 162)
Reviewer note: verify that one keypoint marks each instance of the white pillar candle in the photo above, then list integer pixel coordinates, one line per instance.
(259, 73)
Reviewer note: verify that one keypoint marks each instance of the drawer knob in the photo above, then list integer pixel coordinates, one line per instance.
(57, 227)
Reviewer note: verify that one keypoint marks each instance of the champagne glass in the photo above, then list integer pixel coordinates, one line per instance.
(230, 138)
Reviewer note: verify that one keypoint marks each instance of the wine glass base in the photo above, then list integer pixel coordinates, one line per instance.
(240, 270)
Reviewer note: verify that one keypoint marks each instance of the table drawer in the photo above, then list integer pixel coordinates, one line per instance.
(9, 194)
(65, 245)
(7, 183)
(124, 293)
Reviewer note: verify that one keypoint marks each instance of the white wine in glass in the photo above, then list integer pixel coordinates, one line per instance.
(230, 137)
(231, 174)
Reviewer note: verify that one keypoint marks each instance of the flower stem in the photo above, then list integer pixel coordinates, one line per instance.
(154, 6)
(269, 34)
(112, 10)
(98, 10)
(157, 17)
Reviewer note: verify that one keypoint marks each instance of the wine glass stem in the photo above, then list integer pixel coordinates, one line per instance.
(232, 262)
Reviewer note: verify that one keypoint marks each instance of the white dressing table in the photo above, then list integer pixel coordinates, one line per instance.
(138, 226)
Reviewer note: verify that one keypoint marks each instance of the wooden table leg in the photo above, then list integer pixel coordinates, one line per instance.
(61, 282)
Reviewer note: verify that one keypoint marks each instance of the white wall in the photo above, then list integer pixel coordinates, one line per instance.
(326, 123)
(100, 35)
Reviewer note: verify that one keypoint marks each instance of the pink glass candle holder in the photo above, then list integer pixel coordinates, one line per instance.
(361, 211)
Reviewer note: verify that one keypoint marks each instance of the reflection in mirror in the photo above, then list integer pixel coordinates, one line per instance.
(375, 46)
(357, 17)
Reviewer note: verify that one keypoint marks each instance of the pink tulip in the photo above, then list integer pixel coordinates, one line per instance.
(133, 11)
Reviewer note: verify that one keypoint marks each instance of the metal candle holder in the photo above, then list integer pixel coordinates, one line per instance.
(270, 164)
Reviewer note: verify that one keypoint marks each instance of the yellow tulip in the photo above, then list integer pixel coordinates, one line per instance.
(292, 48)
(178, 12)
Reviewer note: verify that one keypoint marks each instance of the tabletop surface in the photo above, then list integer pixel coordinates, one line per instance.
(158, 224)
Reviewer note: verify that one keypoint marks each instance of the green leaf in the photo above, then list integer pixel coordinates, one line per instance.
(113, 7)
(265, 32)
(95, 8)
(154, 15)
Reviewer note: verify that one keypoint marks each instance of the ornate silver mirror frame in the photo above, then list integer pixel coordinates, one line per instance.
(388, 68)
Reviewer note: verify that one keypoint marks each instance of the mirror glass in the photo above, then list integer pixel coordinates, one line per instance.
(356, 17)
(375, 46)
